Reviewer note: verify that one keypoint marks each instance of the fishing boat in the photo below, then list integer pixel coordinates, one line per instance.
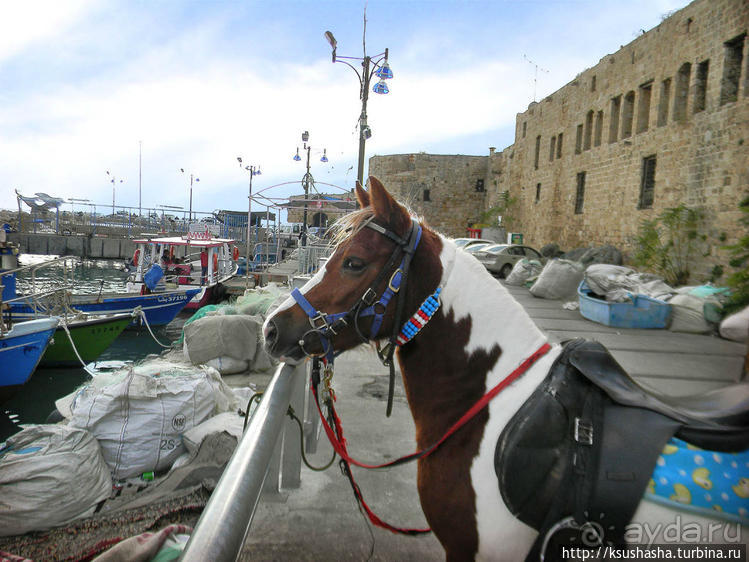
(21, 349)
(153, 308)
(83, 338)
(173, 263)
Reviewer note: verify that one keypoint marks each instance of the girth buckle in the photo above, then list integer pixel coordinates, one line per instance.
(583, 431)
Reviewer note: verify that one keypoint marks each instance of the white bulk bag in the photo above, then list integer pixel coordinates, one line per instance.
(139, 421)
(558, 280)
(50, 475)
(736, 326)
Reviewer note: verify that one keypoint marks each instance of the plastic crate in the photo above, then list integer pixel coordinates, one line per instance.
(641, 312)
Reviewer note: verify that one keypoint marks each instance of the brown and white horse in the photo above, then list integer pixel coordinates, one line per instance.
(477, 336)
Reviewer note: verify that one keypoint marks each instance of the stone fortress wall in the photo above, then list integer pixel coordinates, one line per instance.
(661, 122)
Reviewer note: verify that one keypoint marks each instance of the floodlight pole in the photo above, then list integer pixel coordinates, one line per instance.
(253, 170)
(370, 66)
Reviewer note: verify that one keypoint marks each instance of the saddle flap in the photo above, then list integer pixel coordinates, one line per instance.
(724, 410)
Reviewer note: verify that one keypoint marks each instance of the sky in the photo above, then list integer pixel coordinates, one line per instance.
(144, 89)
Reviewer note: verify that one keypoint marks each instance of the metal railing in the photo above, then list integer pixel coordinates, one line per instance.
(268, 457)
(309, 257)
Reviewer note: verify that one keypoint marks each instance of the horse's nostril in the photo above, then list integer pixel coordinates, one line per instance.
(271, 335)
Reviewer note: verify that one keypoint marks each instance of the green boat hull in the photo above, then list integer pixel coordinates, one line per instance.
(91, 338)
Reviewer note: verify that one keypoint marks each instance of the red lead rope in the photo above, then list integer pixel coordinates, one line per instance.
(339, 443)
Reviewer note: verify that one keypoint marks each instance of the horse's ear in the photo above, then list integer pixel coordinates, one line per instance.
(362, 196)
(386, 208)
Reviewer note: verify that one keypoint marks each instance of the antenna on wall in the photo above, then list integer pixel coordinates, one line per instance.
(535, 74)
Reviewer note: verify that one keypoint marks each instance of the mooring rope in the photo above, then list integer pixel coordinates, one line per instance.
(64, 324)
(142, 314)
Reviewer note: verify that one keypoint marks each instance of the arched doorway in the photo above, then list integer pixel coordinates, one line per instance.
(319, 219)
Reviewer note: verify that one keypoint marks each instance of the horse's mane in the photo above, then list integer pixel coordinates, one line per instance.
(350, 224)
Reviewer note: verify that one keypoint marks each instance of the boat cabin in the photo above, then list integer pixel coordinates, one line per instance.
(179, 258)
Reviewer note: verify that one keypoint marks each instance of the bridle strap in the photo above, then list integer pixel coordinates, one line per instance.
(413, 242)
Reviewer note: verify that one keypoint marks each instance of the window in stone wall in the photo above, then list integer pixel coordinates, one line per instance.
(682, 91)
(700, 86)
(729, 85)
(628, 112)
(559, 145)
(664, 101)
(643, 107)
(579, 139)
(480, 185)
(647, 183)
(580, 193)
(426, 195)
(599, 129)
(616, 105)
(552, 147)
(593, 83)
(538, 192)
(524, 128)
(538, 152)
(588, 130)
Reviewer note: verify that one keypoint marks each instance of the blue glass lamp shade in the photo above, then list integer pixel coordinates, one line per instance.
(297, 158)
(258, 172)
(324, 155)
(384, 71)
(381, 88)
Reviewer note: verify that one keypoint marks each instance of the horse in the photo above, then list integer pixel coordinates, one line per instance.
(451, 356)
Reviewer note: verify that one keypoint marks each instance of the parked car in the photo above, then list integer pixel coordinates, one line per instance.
(473, 248)
(468, 242)
(500, 258)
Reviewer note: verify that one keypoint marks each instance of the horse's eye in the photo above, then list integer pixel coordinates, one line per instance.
(354, 265)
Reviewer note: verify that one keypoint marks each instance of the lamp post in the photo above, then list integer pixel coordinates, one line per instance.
(114, 181)
(307, 180)
(192, 177)
(376, 65)
(253, 171)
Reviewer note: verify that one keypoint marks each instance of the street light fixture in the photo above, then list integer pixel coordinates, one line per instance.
(307, 180)
(114, 181)
(253, 171)
(192, 177)
(371, 66)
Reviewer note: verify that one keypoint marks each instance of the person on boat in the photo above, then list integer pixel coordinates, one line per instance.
(203, 266)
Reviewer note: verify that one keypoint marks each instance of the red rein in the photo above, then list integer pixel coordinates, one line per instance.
(339, 443)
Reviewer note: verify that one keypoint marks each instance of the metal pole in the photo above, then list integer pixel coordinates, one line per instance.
(140, 175)
(226, 519)
(363, 119)
(189, 216)
(249, 226)
(306, 196)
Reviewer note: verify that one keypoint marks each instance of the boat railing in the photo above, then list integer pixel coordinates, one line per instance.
(54, 302)
(68, 264)
(267, 459)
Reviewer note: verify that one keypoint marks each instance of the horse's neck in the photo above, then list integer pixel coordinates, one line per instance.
(480, 335)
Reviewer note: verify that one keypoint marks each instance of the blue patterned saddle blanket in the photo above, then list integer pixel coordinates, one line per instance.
(706, 482)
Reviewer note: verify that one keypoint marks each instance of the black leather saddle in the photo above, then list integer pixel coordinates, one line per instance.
(584, 445)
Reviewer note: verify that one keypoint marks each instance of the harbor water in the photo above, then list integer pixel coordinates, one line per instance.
(36, 400)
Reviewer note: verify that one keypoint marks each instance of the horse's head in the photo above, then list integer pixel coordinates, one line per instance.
(342, 304)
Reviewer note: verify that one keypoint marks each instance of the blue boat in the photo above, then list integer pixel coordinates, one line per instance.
(159, 308)
(21, 348)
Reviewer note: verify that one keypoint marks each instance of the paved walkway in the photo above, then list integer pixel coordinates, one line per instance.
(320, 521)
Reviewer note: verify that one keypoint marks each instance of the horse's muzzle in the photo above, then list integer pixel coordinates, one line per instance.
(279, 341)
